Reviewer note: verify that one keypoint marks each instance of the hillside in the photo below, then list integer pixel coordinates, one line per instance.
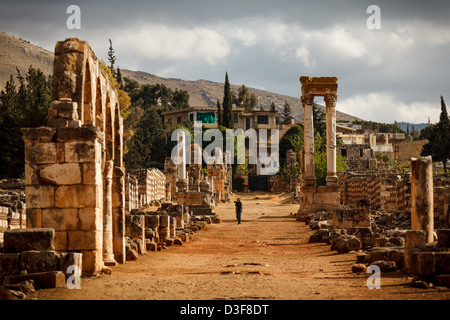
(17, 52)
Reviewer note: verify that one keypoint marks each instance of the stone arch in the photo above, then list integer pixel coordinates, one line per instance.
(87, 114)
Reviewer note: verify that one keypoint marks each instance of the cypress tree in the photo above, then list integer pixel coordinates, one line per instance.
(219, 114)
(438, 145)
(227, 120)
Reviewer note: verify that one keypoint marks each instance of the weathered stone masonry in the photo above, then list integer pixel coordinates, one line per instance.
(73, 167)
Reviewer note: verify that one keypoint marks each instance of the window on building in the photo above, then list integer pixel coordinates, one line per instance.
(178, 119)
(247, 123)
(206, 117)
(263, 119)
(191, 117)
(236, 119)
(344, 152)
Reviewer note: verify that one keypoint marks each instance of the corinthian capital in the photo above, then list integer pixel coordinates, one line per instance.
(307, 99)
(330, 99)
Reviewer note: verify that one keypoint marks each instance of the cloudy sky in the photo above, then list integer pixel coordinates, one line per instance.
(397, 72)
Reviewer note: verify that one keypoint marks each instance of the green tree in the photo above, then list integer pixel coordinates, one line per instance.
(111, 58)
(292, 139)
(246, 99)
(273, 108)
(319, 120)
(438, 145)
(287, 113)
(228, 118)
(25, 106)
(219, 113)
(150, 144)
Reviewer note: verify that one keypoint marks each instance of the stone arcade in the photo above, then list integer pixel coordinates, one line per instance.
(73, 167)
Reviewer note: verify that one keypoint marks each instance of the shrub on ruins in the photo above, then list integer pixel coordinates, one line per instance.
(438, 145)
(320, 160)
(22, 105)
(292, 139)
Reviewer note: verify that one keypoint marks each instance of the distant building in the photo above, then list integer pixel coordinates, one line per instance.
(207, 115)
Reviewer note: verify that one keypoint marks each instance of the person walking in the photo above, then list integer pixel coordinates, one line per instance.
(238, 205)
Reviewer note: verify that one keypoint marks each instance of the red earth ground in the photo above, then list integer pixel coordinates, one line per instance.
(267, 257)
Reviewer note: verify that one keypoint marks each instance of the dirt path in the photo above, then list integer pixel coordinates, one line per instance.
(266, 257)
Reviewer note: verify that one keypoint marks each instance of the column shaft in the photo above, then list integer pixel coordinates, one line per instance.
(310, 176)
(330, 102)
(422, 211)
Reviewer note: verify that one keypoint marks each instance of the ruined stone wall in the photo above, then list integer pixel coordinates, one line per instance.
(73, 168)
(442, 203)
(386, 191)
(131, 192)
(151, 185)
(12, 205)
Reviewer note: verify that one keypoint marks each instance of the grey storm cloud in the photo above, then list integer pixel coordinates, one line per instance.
(396, 73)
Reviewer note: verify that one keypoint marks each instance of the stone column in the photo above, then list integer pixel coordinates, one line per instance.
(108, 254)
(181, 152)
(422, 214)
(310, 176)
(330, 102)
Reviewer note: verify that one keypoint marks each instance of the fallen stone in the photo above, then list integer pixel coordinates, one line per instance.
(42, 280)
(26, 286)
(442, 280)
(151, 246)
(385, 266)
(361, 257)
(420, 284)
(314, 238)
(359, 268)
(19, 240)
(170, 241)
(39, 261)
(177, 241)
(132, 255)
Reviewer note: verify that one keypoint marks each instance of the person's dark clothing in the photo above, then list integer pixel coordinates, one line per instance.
(238, 205)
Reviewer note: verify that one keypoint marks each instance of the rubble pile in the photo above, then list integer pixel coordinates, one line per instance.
(12, 206)
(29, 261)
(171, 224)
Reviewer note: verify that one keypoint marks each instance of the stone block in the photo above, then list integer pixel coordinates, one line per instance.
(84, 240)
(39, 261)
(61, 174)
(81, 151)
(19, 240)
(421, 263)
(61, 240)
(67, 259)
(92, 173)
(443, 238)
(42, 280)
(60, 219)
(415, 239)
(442, 262)
(164, 221)
(76, 196)
(38, 197)
(34, 218)
(92, 262)
(40, 153)
(9, 265)
(90, 219)
(60, 152)
(442, 280)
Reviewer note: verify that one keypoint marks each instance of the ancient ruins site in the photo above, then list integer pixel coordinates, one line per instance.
(81, 226)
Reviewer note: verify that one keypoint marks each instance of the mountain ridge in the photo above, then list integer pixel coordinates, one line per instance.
(21, 54)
